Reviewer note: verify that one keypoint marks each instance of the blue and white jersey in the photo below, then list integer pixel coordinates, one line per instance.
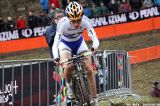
(67, 32)
(65, 28)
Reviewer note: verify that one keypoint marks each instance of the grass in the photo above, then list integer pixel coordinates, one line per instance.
(131, 42)
(32, 54)
(143, 74)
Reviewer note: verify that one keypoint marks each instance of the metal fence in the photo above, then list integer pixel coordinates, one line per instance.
(37, 83)
(114, 76)
(25, 82)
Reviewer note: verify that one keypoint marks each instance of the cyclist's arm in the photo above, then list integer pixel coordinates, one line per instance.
(92, 35)
(55, 45)
(94, 38)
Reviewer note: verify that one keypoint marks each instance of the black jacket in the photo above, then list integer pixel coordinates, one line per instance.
(10, 25)
(33, 21)
(2, 26)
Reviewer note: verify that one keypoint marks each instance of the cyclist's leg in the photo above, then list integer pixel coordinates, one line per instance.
(90, 76)
(91, 79)
(66, 54)
(67, 67)
(89, 69)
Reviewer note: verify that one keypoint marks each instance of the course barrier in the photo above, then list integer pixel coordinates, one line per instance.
(26, 83)
(37, 82)
(114, 76)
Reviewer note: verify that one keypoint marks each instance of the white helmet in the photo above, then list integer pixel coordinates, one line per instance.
(74, 11)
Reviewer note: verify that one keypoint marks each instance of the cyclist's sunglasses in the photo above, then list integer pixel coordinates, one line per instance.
(76, 21)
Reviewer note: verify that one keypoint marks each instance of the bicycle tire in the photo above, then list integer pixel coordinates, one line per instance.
(84, 90)
(77, 92)
(81, 91)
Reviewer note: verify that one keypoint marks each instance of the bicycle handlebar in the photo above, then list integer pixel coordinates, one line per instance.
(77, 57)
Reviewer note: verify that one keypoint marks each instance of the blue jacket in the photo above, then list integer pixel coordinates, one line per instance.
(44, 4)
(50, 34)
(157, 2)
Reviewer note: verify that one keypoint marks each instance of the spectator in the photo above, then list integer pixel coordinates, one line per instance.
(96, 2)
(55, 2)
(51, 31)
(124, 7)
(89, 3)
(104, 10)
(147, 3)
(51, 11)
(43, 19)
(52, 8)
(87, 10)
(45, 5)
(113, 7)
(155, 91)
(21, 22)
(2, 25)
(33, 21)
(136, 4)
(157, 2)
(106, 2)
(95, 11)
(10, 24)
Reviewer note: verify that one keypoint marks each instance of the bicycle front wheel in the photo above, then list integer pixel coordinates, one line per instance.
(84, 90)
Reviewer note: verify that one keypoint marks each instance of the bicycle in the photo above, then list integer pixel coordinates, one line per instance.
(79, 81)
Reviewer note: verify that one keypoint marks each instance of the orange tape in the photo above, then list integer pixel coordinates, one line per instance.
(146, 54)
(23, 44)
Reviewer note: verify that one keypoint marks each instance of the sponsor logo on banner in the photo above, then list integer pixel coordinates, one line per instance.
(125, 17)
(9, 35)
(7, 92)
(23, 33)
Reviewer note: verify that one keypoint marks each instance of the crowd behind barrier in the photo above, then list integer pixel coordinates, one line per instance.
(100, 23)
(96, 9)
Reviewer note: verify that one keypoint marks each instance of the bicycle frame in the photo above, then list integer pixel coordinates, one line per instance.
(79, 79)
